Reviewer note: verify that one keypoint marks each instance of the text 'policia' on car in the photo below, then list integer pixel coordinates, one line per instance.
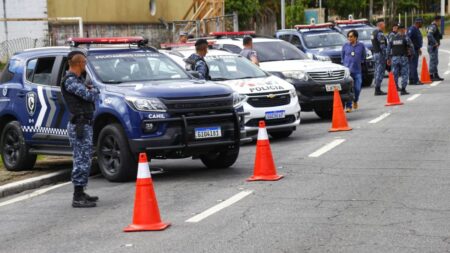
(147, 104)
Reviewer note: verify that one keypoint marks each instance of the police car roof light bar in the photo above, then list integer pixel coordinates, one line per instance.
(111, 40)
(313, 26)
(182, 45)
(351, 21)
(241, 33)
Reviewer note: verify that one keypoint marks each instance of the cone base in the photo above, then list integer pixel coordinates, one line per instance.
(427, 82)
(265, 178)
(392, 104)
(340, 129)
(146, 227)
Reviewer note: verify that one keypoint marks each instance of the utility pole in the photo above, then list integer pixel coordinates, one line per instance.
(370, 10)
(283, 22)
(442, 16)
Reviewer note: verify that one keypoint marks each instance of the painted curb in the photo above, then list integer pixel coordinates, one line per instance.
(34, 182)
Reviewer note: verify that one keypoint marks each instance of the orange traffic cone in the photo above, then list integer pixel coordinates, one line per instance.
(264, 169)
(339, 121)
(425, 74)
(146, 212)
(392, 97)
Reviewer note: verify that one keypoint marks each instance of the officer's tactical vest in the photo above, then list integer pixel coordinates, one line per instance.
(399, 46)
(377, 44)
(76, 105)
(193, 63)
(437, 34)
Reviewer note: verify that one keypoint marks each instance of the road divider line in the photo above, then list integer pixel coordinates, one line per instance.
(447, 72)
(327, 148)
(435, 84)
(220, 206)
(413, 97)
(380, 118)
(33, 194)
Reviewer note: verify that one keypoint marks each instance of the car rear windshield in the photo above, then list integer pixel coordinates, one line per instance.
(277, 51)
(323, 40)
(132, 67)
(364, 33)
(230, 67)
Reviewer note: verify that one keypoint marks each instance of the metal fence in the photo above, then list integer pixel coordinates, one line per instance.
(10, 47)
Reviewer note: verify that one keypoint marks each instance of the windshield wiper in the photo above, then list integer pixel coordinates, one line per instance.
(247, 77)
(112, 82)
(220, 79)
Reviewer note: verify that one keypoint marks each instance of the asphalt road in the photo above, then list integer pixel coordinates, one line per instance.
(385, 188)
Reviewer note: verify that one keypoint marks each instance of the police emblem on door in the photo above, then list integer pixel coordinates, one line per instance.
(31, 103)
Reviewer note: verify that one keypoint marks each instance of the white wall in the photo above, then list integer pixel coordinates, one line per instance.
(24, 9)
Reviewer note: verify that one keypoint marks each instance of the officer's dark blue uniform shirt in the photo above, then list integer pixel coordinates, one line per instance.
(75, 84)
(416, 37)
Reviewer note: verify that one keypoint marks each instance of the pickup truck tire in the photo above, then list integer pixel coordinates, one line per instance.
(221, 159)
(281, 134)
(367, 81)
(14, 151)
(115, 160)
(325, 113)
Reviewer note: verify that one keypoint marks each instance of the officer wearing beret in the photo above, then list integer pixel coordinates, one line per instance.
(379, 43)
(80, 99)
(416, 38)
(434, 41)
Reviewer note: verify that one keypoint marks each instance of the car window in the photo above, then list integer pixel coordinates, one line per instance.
(232, 48)
(277, 51)
(364, 33)
(295, 40)
(315, 40)
(133, 67)
(8, 72)
(230, 67)
(40, 70)
(284, 37)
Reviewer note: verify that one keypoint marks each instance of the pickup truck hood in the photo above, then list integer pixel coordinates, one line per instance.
(329, 51)
(305, 65)
(170, 89)
(258, 85)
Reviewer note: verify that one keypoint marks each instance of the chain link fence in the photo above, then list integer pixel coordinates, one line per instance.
(9, 47)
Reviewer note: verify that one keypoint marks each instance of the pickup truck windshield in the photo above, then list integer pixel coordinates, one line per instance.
(324, 40)
(277, 51)
(133, 67)
(364, 33)
(229, 67)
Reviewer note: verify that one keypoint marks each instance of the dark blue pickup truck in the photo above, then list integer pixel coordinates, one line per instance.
(147, 103)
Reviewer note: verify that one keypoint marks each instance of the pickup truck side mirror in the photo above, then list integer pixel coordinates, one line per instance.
(194, 74)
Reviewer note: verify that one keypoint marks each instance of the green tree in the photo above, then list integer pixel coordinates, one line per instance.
(344, 8)
(246, 10)
(295, 13)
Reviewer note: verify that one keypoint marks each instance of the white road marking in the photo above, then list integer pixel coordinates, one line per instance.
(380, 118)
(447, 72)
(445, 51)
(327, 148)
(435, 84)
(413, 97)
(220, 206)
(33, 194)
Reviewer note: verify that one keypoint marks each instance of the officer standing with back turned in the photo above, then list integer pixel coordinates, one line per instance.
(434, 41)
(416, 38)
(379, 43)
(400, 49)
(80, 100)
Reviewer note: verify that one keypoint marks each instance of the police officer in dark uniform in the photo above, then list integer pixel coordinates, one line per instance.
(400, 48)
(393, 32)
(434, 41)
(416, 38)
(379, 43)
(197, 60)
(80, 100)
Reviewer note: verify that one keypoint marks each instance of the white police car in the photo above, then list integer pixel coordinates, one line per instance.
(267, 97)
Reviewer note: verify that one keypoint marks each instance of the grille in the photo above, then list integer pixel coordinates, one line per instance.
(336, 75)
(211, 104)
(269, 100)
(272, 122)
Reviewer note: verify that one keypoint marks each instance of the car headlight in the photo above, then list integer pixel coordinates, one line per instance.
(323, 58)
(347, 73)
(291, 76)
(369, 54)
(293, 93)
(146, 104)
(238, 99)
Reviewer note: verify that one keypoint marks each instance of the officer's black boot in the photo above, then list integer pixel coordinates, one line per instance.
(434, 77)
(91, 198)
(379, 92)
(404, 92)
(439, 78)
(80, 200)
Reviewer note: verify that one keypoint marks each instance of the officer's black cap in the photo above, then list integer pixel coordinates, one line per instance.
(380, 20)
(418, 20)
(400, 26)
(200, 42)
(73, 53)
(437, 17)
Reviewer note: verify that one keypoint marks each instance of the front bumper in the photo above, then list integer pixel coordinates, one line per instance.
(179, 138)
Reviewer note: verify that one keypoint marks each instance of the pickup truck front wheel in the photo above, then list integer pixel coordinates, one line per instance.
(221, 159)
(116, 161)
(15, 153)
(324, 113)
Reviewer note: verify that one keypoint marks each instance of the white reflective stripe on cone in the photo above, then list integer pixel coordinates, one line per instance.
(143, 171)
(262, 134)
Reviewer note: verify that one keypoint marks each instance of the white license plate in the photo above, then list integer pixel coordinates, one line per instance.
(330, 87)
(208, 132)
(275, 115)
